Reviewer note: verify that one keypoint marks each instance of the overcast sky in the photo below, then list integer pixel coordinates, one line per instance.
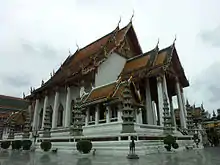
(36, 35)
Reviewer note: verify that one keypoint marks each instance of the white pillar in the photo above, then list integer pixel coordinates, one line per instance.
(55, 110)
(44, 110)
(137, 116)
(160, 99)
(119, 113)
(87, 117)
(140, 116)
(184, 104)
(68, 108)
(180, 105)
(36, 113)
(148, 103)
(97, 115)
(29, 112)
(154, 113)
(165, 88)
(172, 112)
(108, 111)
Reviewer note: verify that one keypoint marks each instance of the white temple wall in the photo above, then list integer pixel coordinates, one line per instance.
(74, 92)
(51, 99)
(109, 70)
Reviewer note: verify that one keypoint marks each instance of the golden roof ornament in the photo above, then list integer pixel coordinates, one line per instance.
(42, 82)
(77, 46)
(70, 52)
(132, 17)
(119, 22)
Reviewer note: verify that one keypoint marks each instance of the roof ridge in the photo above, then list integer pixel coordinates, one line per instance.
(141, 55)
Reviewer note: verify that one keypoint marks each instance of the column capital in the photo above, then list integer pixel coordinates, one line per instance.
(56, 88)
(46, 92)
(177, 79)
(159, 78)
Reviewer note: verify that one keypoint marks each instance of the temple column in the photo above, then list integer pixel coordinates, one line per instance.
(184, 103)
(35, 119)
(137, 120)
(97, 115)
(108, 114)
(44, 110)
(140, 116)
(55, 109)
(172, 113)
(29, 111)
(148, 103)
(119, 113)
(68, 108)
(180, 105)
(87, 117)
(160, 99)
(165, 88)
(154, 113)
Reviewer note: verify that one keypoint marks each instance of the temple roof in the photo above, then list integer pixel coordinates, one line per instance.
(8, 104)
(110, 91)
(85, 57)
(152, 61)
(19, 118)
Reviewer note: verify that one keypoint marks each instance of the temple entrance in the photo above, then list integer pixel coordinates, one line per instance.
(102, 113)
(60, 116)
(40, 118)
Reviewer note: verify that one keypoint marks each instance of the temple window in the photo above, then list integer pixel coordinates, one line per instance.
(102, 113)
(60, 116)
(92, 115)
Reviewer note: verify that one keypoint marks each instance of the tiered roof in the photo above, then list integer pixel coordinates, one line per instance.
(138, 64)
(110, 92)
(92, 54)
(153, 62)
(19, 118)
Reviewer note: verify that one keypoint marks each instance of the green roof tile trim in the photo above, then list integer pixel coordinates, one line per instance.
(12, 103)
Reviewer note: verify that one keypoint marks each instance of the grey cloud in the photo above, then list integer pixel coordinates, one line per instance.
(205, 87)
(42, 50)
(211, 36)
(215, 90)
(16, 80)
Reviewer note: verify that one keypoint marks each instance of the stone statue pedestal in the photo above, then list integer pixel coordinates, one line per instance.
(132, 156)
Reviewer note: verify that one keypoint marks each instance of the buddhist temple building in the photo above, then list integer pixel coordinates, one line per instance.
(10, 106)
(121, 90)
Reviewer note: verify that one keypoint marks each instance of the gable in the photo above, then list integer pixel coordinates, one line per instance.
(109, 70)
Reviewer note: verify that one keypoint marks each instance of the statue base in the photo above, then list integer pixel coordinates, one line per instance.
(133, 156)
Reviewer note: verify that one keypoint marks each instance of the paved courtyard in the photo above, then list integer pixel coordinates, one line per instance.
(209, 156)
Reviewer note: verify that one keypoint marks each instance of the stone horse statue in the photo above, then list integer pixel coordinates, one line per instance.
(132, 146)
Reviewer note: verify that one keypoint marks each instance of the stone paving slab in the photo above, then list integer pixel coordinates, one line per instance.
(208, 156)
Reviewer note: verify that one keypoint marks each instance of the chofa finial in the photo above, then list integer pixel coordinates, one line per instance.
(132, 16)
(119, 21)
(174, 40)
(77, 46)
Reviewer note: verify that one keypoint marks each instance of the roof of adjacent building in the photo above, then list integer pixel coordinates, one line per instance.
(9, 103)
(18, 117)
